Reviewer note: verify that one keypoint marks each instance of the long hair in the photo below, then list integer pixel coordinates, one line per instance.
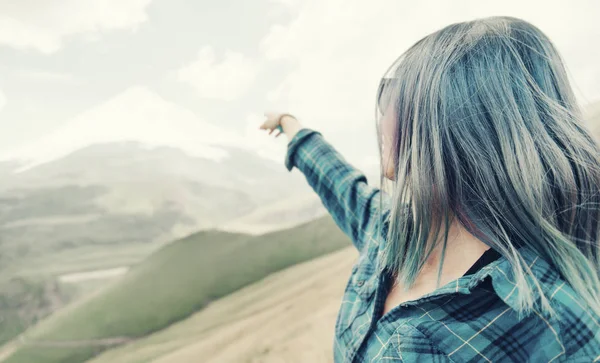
(488, 131)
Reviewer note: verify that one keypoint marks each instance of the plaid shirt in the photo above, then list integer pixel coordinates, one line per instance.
(471, 319)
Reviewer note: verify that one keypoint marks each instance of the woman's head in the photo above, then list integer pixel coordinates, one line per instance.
(478, 121)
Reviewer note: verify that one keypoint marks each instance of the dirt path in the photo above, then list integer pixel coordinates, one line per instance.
(79, 343)
(7, 350)
(10, 348)
(93, 275)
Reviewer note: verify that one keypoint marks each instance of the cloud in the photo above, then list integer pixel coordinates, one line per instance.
(45, 76)
(337, 51)
(44, 25)
(225, 80)
(2, 100)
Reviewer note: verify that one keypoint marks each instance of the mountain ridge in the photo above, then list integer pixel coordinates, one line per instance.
(136, 114)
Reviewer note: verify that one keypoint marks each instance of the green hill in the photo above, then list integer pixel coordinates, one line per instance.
(289, 316)
(170, 285)
(24, 301)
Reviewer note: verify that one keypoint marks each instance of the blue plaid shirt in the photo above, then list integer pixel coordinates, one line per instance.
(471, 319)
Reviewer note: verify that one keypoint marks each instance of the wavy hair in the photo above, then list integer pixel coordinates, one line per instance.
(488, 131)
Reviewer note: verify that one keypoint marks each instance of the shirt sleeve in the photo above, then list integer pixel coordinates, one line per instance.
(343, 189)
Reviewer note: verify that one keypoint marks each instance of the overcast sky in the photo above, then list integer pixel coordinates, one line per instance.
(226, 62)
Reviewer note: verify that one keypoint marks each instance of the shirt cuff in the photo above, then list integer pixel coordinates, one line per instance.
(298, 139)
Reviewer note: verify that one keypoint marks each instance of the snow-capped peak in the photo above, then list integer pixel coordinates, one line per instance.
(137, 114)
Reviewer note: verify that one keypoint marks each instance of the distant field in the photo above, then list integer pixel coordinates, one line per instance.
(287, 317)
(173, 283)
(23, 302)
(84, 258)
(36, 289)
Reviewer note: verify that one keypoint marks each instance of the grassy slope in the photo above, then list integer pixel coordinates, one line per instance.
(174, 282)
(33, 294)
(287, 317)
(25, 301)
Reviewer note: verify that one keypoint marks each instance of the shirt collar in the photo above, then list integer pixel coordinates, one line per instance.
(502, 279)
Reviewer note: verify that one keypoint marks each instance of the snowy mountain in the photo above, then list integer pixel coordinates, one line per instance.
(134, 171)
(139, 115)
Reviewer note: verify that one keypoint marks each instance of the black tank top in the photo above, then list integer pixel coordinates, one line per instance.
(487, 257)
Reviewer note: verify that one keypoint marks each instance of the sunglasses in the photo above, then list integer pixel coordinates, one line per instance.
(383, 94)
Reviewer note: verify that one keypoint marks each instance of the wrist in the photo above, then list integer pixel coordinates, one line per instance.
(287, 120)
(290, 126)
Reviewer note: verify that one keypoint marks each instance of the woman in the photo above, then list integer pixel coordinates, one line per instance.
(482, 137)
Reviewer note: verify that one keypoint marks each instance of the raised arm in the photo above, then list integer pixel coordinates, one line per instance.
(343, 189)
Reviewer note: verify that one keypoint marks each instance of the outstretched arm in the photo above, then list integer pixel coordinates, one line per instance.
(343, 189)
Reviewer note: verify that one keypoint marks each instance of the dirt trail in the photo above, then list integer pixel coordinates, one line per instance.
(79, 343)
(82, 276)
(10, 348)
(7, 350)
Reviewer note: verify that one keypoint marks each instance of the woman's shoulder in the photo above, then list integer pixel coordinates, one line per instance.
(481, 326)
(483, 321)
(571, 328)
(578, 325)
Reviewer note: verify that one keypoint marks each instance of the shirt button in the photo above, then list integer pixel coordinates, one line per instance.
(360, 283)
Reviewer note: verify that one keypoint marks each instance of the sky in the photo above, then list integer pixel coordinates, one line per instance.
(74, 72)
